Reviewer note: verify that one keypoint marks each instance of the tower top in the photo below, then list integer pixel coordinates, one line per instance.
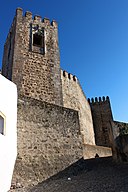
(32, 59)
(28, 15)
(98, 100)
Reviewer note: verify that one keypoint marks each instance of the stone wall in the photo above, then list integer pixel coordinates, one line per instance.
(120, 141)
(94, 151)
(8, 52)
(119, 127)
(49, 140)
(74, 98)
(102, 118)
(35, 69)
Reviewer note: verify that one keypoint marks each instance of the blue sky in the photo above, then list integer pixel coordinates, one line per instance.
(93, 39)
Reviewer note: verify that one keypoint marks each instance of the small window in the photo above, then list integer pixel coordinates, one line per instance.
(2, 124)
(37, 40)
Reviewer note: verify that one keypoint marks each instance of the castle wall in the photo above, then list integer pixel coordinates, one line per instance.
(120, 141)
(8, 52)
(102, 118)
(8, 136)
(74, 98)
(94, 151)
(119, 128)
(49, 140)
(34, 68)
(54, 116)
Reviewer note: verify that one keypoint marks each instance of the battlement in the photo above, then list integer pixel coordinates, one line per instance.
(102, 116)
(98, 100)
(37, 18)
(31, 54)
(69, 76)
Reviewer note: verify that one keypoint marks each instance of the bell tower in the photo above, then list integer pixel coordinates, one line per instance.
(31, 57)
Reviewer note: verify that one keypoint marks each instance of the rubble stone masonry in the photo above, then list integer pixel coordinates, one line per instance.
(34, 68)
(49, 140)
(54, 117)
(74, 98)
(102, 118)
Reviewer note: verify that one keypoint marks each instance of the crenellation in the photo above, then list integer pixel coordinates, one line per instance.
(99, 100)
(38, 18)
(92, 100)
(64, 73)
(103, 98)
(46, 21)
(96, 99)
(69, 76)
(28, 15)
(107, 98)
(74, 78)
(54, 24)
(19, 11)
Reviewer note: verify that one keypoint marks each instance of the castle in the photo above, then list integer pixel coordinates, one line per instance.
(56, 124)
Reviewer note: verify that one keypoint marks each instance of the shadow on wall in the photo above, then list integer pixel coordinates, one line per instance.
(76, 169)
(84, 175)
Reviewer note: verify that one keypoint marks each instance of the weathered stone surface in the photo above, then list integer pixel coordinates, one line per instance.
(36, 68)
(93, 151)
(36, 73)
(49, 140)
(102, 118)
(50, 137)
(120, 141)
(74, 97)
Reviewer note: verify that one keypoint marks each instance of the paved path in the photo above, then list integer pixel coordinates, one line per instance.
(95, 175)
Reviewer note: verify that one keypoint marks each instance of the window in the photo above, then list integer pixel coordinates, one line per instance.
(2, 124)
(37, 40)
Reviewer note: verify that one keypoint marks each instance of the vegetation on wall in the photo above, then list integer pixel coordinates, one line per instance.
(124, 129)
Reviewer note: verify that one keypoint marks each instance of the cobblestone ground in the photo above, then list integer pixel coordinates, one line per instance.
(95, 175)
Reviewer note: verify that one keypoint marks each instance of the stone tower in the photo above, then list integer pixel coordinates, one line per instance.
(31, 58)
(102, 118)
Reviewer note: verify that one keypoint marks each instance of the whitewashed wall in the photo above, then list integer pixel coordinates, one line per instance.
(8, 141)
